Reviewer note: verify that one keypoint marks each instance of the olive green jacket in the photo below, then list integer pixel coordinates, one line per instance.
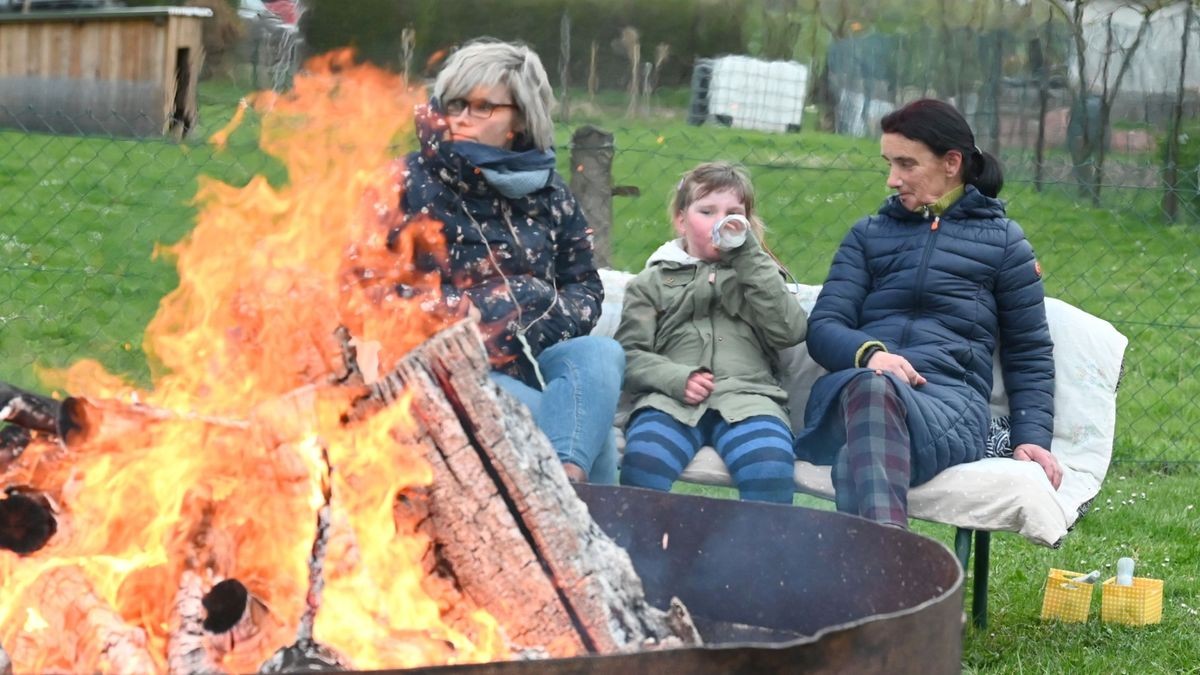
(732, 317)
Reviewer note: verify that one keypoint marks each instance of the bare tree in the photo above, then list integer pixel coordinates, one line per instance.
(1170, 202)
(593, 77)
(632, 45)
(1099, 83)
(564, 66)
(408, 42)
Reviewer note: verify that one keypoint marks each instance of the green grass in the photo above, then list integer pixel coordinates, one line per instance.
(80, 218)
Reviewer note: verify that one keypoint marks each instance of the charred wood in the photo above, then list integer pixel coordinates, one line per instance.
(5, 662)
(349, 350)
(82, 633)
(224, 605)
(13, 441)
(303, 656)
(26, 520)
(306, 653)
(28, 410)
(187, 652)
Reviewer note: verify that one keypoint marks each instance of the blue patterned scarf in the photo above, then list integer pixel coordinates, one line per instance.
(514, 173)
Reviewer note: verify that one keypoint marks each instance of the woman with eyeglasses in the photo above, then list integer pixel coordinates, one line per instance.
(519, 249)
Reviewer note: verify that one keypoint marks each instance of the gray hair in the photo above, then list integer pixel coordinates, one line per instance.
(485, 63)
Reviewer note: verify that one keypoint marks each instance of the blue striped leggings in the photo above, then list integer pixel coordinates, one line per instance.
(757, 450)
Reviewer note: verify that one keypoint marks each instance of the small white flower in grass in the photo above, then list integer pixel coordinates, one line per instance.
(1190, 507)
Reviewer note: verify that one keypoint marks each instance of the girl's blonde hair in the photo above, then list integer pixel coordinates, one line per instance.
(716, 177)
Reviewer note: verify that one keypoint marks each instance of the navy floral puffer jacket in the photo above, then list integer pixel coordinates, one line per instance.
(525, 263)
(943, 297)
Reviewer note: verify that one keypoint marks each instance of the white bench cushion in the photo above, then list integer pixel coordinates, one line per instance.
(997, 494)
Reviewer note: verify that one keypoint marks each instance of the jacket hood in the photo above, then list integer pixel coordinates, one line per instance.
(973, 204)
(671, 254)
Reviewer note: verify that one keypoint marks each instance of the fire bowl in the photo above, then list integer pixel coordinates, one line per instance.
(773, 589)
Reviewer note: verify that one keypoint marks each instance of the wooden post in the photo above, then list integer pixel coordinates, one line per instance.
(591, 181)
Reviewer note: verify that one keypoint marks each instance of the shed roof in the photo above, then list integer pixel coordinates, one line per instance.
(105, 14)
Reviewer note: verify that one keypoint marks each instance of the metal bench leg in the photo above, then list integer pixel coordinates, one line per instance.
(962, 550)
(979, 600)
(962, 546)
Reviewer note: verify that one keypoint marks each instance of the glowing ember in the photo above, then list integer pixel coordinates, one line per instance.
(217, 471)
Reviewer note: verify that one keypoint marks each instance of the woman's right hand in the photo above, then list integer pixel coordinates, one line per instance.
(897, 365)
(699, 385)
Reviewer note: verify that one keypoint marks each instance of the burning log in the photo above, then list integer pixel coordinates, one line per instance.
(508, 525)
(306, 653)
(206, 558)
(5, 662)
(206, 602)
(83, 420)
(31, 411)
(186, 650)
(76, 631)
(26, 520)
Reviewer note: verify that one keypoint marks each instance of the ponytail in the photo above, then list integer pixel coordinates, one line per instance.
(987, 175)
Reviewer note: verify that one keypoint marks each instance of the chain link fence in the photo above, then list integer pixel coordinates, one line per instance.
(1116, 226)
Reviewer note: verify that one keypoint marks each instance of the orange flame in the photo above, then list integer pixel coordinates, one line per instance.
(216, 467)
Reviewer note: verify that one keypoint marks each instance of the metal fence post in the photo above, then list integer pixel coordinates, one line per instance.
(591, 181)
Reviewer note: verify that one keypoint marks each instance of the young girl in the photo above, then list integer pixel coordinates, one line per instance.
(701, 329)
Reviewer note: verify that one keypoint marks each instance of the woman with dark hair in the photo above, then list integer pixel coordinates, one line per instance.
(518, 248)
(918, 298)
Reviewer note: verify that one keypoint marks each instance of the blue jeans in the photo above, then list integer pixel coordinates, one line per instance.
(576, 409)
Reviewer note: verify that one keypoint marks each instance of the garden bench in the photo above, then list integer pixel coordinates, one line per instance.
(992, 495)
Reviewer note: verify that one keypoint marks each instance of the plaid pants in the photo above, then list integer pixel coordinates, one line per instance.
(872, 471)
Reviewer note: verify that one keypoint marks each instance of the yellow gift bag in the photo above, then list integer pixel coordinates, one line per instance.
(1064, 599)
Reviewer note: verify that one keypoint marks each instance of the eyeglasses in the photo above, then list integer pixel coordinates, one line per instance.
(480, 109)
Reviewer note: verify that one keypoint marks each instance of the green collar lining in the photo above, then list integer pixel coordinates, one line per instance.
(948, 199)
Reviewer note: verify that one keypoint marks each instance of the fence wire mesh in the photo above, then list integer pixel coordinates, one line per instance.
(84, 215)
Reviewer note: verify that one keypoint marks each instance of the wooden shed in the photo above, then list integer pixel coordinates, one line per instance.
(117, 71)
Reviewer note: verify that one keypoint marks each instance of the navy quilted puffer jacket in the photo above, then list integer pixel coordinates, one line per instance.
(526, 263)
(943, 297)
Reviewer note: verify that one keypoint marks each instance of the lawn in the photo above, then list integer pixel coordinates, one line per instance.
(81, 219)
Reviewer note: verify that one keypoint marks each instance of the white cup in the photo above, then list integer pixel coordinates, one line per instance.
(730, 232)
(1125, 572)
